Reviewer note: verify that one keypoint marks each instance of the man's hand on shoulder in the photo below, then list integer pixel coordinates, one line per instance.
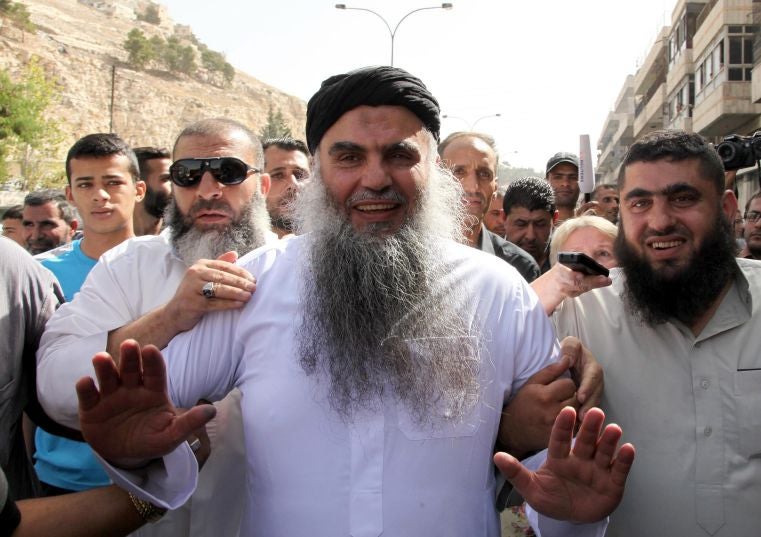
(232, 287)
(528, 417)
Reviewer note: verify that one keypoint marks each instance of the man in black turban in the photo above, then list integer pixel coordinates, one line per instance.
(381, 348)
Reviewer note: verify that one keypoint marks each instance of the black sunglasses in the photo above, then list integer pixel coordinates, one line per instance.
(226, 170)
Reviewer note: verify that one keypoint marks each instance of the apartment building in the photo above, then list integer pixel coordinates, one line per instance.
(702, 74)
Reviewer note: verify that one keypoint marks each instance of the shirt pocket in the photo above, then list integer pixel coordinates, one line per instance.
(748, 392)
(444, 420)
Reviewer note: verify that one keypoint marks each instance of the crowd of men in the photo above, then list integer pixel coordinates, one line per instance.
(358, 335)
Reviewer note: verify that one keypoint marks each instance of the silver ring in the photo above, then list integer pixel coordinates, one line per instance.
(195, 445)
(209, 290)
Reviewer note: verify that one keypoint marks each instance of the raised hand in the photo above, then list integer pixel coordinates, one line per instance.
(131, 420)
(583, 483)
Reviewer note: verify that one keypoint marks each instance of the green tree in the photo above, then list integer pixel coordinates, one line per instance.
(215, 62)
(150, 15)
(24, 128)
(228, 71)
(18, 14)
(187, 60)
(157, 47)
(139, 48)
(275, 126)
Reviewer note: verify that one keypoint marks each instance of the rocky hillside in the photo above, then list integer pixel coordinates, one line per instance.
(79, 43)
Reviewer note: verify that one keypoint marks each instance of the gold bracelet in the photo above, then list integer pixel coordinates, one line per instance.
(147, 511)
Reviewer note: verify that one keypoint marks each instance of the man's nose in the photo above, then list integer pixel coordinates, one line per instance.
(209, 187)
(469, 182)
(293, 183)
(100, 194)
(375, 176)
(660, 217)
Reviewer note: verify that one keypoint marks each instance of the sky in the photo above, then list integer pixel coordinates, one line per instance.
(552, 69)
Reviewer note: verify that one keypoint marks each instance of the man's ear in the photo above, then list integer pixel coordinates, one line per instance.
(140, 188)
(265, 183)
(729, 204)
(555, 217)
(69, 197)
(73, 227)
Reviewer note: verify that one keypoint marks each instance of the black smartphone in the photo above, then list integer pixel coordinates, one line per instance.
(582, 263)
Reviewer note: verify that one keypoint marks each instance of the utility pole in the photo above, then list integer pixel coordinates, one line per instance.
(113, 84)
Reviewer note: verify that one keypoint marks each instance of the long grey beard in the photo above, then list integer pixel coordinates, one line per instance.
(380, 313)
(245, 233)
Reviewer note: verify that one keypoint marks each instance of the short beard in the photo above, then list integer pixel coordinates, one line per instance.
(282, 222)
(245, 233)
(155, 202)
(654, 297)
(380, 312)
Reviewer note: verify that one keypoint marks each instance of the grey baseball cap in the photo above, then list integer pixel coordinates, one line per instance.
(559, 158)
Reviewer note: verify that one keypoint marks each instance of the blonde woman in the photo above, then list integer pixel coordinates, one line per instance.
(592, 235)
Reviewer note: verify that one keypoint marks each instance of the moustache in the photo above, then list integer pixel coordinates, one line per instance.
(210, 205)
(387, 194)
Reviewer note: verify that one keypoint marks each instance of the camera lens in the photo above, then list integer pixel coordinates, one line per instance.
(727, 151)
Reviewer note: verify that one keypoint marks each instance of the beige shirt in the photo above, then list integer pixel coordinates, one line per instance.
(690, 405)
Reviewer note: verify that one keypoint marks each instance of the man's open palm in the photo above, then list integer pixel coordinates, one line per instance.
(131, 420)
(580, 482)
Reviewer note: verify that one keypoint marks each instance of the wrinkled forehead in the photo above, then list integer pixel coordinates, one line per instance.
(376, 127)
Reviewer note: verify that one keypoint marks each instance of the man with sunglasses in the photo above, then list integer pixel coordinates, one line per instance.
(151, 288)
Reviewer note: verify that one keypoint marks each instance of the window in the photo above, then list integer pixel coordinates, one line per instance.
(699, 79)
(735, 50)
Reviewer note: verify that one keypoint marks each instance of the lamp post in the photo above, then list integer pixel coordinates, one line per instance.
(471, 126)
(392, 33)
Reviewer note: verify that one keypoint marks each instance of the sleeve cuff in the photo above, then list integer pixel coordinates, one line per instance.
(168, 482)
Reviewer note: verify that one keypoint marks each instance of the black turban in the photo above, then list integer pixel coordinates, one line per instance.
(369, 86)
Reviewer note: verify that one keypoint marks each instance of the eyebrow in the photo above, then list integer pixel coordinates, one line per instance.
(404, 145)
(351, 146)
(345, 146)
(92, 177)
(670, 190)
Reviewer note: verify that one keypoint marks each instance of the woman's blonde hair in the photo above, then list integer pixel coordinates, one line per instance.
(564, 230)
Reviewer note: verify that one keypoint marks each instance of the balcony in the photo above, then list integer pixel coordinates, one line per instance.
(679, 70)
(653, 67)
(724, 109)
(651, 117)
(682, 122)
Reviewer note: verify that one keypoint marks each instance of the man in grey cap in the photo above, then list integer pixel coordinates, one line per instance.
(563, 175)
(376, 343)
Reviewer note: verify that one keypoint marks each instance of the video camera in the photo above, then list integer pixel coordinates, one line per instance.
(738, 151)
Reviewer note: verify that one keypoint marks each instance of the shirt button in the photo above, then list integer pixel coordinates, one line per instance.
(705, 383)
(707, 431)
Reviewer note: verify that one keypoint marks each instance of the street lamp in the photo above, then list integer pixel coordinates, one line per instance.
(392, 33)
(471, 126)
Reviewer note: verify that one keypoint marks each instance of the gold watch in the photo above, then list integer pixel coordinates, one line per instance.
(146, 510)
